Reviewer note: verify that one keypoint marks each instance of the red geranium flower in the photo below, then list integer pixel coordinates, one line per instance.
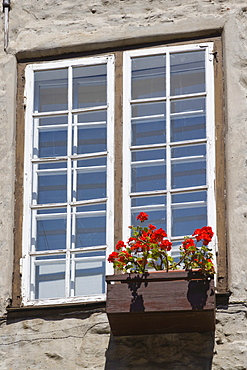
(120, 244)
(166, 245)
(188, 243)
(142, 216)
(112, 256)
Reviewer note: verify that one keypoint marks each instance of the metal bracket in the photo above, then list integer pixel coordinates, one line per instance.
(6, 9)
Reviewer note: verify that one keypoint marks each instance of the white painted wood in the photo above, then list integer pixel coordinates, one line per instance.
(30, 181)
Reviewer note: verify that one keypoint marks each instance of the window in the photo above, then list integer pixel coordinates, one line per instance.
(169, 138)
(168, 161)
(68, 187)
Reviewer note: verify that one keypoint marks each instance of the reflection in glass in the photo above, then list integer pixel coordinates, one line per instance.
(51, 90)
(52, 187)
(52, 143)
(188, 127)
(187, 173)
(90, 275)
(51, 232)
(49, 277)
(53, 120)
(90, 230)
(148, 131)
(186, 219)
(149, 110)
(89, 86)
(187, 72)
(91, 139)
(148, 76)
(188, 151)
(148, 177)
(91, 184)
(188, 105)
(156, 217)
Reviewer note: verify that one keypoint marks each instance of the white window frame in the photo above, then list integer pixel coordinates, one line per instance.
(29, 160)
(210, 133)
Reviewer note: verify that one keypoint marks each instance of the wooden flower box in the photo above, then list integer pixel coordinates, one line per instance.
(160, 302)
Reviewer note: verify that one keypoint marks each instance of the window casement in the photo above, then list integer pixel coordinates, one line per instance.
(168, 135)
(68, 184)
(151, 112)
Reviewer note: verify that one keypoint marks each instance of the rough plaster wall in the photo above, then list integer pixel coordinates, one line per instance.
(39, 27)
(86, 343)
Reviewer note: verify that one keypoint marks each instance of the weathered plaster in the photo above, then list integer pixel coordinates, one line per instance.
(50, 28)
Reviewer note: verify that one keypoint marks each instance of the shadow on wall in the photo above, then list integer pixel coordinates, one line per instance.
(185, 351)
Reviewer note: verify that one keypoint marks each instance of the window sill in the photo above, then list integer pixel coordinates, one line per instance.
(56, 312)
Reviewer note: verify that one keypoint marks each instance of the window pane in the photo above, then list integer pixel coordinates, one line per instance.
(49, 277)
(148, 171)
(51, 231)
(186, 125)
(89, 86)
(190, 170)
(187, 173)
(91, 183)
(90, 133)
(52, 187)
(188, 72)
(90, 229)
(155, 207)
(186, 219)
(51, 90)
(52, 143)
(149, 110)
(148, 77)
(149, 131)
(188, 151)
(90, 273)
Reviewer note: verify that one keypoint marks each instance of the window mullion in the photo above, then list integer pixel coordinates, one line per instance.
(69, 184)
(168, 148)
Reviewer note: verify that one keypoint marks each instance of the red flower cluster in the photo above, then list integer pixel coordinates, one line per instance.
(142, 216)
(148, 248)
(205, 234)
(189, 243)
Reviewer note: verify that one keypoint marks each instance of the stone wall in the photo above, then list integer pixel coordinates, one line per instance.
(50, 28)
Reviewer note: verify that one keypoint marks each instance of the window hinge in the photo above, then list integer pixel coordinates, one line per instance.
(21, 265)
(213, 56)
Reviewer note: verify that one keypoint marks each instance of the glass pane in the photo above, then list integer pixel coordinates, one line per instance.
(54, 120)
(149, 131)
(148, 77)
(187, 173)
(154, 206)
(188, 72)
(52, 187)
(197, 196)
(91, 139)
(90, 132)
(51, 90)
(147, 155)
(188, 151)
(148, 176)
(90, 274)
(52, 143)
(188, 126)
(151, 111)
(89, 86)
(100, 161)
(51, 231)
(91, 183)
(49, 277)
(188, 105)
(90, 229)
(186, 219)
